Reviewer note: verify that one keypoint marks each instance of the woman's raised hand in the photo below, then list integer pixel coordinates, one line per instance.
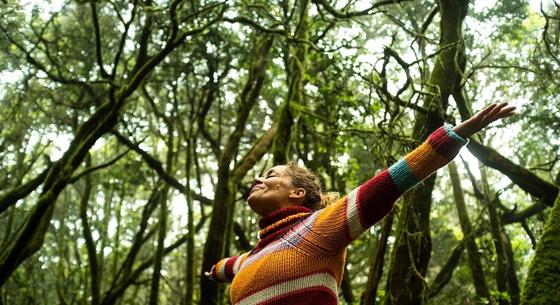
(483, 118)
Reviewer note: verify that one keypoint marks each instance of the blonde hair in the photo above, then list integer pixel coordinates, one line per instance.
(306, 179)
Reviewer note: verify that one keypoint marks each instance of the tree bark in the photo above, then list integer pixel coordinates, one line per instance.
(162, 230)
(11, 197)
(541, 285)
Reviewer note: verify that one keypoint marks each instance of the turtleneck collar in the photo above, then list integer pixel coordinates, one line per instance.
(281, 218)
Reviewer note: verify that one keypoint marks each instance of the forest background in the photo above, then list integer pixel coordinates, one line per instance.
(131, 132)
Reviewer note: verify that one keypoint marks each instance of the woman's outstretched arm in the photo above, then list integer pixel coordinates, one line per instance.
(224, 271)
(333, 228)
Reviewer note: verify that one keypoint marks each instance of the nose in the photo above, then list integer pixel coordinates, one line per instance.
(258, 180)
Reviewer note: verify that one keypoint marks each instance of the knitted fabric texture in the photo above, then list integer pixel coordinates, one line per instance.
(300, 256)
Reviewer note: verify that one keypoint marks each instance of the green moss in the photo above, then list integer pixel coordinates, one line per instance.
(543, 281)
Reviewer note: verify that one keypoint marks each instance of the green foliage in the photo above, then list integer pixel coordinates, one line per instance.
(354, 119)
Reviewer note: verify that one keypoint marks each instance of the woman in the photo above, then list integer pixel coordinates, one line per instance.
(299, 258)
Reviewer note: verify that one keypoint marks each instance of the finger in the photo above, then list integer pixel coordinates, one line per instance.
(493, 114)
(506, 112)
(482, 113)
(503, 110)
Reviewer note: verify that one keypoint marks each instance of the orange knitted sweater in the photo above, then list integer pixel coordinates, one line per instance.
(300, 255)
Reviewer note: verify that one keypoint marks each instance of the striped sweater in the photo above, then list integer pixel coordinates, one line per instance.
(299, 258)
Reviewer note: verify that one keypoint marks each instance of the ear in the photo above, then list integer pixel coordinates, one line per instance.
(297, 194)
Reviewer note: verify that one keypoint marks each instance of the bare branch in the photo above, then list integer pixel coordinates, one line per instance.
(123, 38)
(347, 15)
(156, 165)
(144, 39)
(246, 21)
(98, 167)
(428, 21)
(98, 53)
(529, 233)
(548, 44)
(446, 272)
(525, 179)
(11, 197)
(143, 70)
(38, 65)
(254, 154)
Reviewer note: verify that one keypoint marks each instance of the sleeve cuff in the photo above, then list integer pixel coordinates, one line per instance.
(452, 134)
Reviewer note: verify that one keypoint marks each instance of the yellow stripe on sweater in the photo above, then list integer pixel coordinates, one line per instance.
(416, 161)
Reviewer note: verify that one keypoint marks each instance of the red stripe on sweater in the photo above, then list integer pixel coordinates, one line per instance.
(376, 198)
(228, 269)
(443, 144)
(318, 295)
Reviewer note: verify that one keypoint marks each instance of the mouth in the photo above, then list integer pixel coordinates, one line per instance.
(254, 188)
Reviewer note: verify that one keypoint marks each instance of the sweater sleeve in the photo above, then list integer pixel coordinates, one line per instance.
(334, 227)
(225, 270)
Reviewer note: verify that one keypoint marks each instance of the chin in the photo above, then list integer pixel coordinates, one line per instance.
(251, 204)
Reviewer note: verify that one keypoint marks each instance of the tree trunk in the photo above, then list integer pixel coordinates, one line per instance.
(162, 226)
(346, 286)
(406, 284)
(542, 283)
(190, 269)
(446, 272)
(477, 272)
(215, 246)
(162, 230)
(90, 243)
(499, 245)
(376, 268)
(513, 282)
(296, 72)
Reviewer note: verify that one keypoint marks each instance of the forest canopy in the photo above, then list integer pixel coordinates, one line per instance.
(132, 131)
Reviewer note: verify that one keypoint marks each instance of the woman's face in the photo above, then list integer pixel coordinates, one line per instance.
(273, 191)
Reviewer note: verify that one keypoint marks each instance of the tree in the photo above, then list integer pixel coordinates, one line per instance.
(132, 131)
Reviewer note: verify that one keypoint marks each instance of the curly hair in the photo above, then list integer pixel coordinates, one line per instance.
(306, 179)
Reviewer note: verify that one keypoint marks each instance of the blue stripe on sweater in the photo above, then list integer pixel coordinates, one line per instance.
(402, 175)
(449, 130)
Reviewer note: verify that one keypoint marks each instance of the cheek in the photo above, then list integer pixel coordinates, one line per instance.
(279, 187)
